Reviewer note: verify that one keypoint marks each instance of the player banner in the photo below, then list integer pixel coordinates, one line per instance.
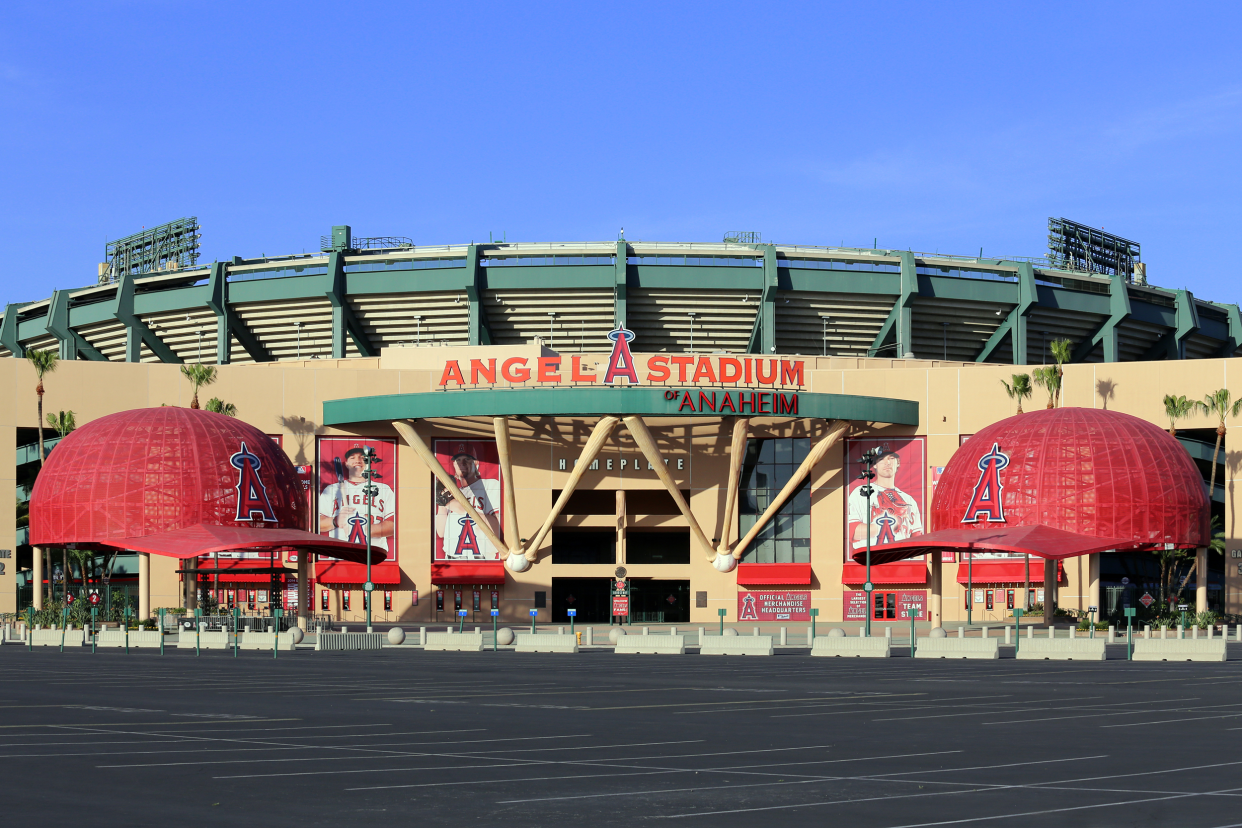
(774, 606)
(342, 500)
(475, 467)
(897, 493)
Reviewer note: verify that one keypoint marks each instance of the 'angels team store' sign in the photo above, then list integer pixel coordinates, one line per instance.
(621, 367)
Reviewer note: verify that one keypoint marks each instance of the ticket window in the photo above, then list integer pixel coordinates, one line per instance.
(323, 600)
(250, 599)
(477, 604)
(1009, 598)
(457, 600)
(232, 598)
(439, 600)
(990, 599)
(387, 600)
(345, 599)
(495, 599)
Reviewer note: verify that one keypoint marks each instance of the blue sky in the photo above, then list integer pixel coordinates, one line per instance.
(934, 126)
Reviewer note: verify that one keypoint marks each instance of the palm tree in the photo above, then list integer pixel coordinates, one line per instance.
(199, 376)
(62, 422)
(1177, 408)
(1020, 389)
(1061, 352)
(1048, 379)
(44, 363)
(219, 406)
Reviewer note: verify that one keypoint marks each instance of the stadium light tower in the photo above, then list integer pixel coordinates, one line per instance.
(867, 461)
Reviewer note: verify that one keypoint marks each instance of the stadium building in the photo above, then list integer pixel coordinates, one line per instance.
(686, 417)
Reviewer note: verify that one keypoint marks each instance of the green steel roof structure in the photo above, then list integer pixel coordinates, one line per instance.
(729, 297)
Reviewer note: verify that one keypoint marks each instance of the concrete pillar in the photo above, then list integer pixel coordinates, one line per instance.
(1008, 634)
(1112, 634)
(961, 632)
(38, 577)
(1050, 589)
(934, 608)
(700, 641)
(304, 595)
(1201, 579)
(1030, 632)
(144, 586)
(984, 632)
(888, 632)
(784, 636)
(422, 636)
(672, 631)
(621, 526)
(755, 631)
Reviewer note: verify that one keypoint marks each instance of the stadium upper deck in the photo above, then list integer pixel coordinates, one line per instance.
(706, 297)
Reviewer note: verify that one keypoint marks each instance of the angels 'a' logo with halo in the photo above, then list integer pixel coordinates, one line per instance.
(252, 500)
(985, 501)
(620, 361)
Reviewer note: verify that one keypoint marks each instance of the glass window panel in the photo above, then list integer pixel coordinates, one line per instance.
(802, 500)
(802, 554)
(783, 450)
(781, 474)
(801, 448)
(802, 527)
(784, 552)
(764, 475)
(747, 505)
(767, 451)
(744, 522)
(752, 452)
(762, 498)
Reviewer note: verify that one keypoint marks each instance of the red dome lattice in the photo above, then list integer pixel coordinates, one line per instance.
(1097, 473)
(155, 470)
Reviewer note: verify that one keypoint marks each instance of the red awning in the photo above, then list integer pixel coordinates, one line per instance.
(475, 572)
(1042, 541)
(203, 539)
(348, 572)
(768, 574)
(236, 572)
(891, 573)
(1012, 571)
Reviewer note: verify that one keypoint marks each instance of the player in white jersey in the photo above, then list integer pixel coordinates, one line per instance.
(894, 515)
(343, 506)
(454, 527)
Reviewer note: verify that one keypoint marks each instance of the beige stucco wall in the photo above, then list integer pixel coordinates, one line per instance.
(287, 399)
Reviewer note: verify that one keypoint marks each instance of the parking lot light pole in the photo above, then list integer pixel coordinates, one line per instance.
(814, 615)
(160, 615)
(1017, 627)
(64, 625)
(236, 628)
(198, 632)
(721, 612)
(867, 475)
(276, 613)
(371, 490)
(93, 611)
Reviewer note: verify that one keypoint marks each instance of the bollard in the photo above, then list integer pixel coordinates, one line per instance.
(784, 636)
(1147, 631)
(1052, 631)
(888, 633)
(862, 632)
(1073, 632)
(560, 630)
(422, 636)
(1194, 632)
(700, 636)
(672, 631)
(1164, 631)
(1211, 629)
(1008, 631)
(590, 636)
(984, 632)
(961, 632)
(1112, 634)
(1181, 632)
(755, 631)
(646, 630)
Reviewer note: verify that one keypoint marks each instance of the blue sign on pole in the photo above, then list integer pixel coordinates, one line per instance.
(495, 612)
(533, 613)
(572, 613)
(462, 613)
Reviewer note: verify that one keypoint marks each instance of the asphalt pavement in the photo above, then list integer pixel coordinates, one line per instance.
(400, 737)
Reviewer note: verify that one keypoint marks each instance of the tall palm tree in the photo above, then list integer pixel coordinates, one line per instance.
(1020, 388)
(1219, 404)
(1061, 352)
(1048, 379)
(62, 422)
(44, 363)
(1177, 408)
(219, 406)
(199, 376)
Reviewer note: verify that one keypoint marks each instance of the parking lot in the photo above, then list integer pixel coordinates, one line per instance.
(600, 739)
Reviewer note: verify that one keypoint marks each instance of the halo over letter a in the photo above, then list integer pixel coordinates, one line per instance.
(252, 502)
(985, 502)
(620, 362)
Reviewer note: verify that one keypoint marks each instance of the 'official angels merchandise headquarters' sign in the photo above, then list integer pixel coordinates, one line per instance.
(774, 606)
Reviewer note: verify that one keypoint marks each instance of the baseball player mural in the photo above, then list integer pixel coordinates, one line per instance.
(896, 497)
(342, 499)
(475, 466)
